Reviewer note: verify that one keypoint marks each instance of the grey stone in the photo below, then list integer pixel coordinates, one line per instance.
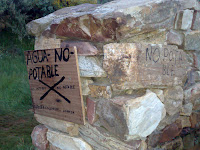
(187, 109)
(61, 125)
(196, 22)
(184, 19)
(90, 67)
(192, 41)
(85, 85)
(65, 142)
(99, 139)
(174, 38)
(131, 117)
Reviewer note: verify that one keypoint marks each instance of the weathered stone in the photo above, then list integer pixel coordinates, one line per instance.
(42, 42)
(197, 76)
(195, 120)
(159, 93)
(101, 140)
(175, 144)
(193, 4)
(173, 100)
(83, 48)
(188, 141)
(174, 38)
(191, 41)
(184, 19)
(61, 125)
(130, 117)
(132, 66)
(51, 147)
(120, 19)
(84, 84)
(39, 138)
(90, 67)
(98, 91)
(65, 142)
(185, 121)
(192, 93)
(198, 60)
(187, 109)
(91, 110)
(167, 121)
(196, 21)
(170, 132)
(175, 93)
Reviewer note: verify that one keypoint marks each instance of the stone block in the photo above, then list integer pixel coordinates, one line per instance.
(174, 38)
(100, 90)
(65, 142)
(85, 85)
(39, 137)
(195, 120)
(184, 19)
(185, 121)
(61, 125)
(99, 139)
(134, 65)
(188, 141)
(196, 21)
(159, 93)
(112, 21)
(175, 144)
(191, 41)
(192, 93)
(173, 100)
(83, 48)
(91, 110)
(90, 67)
(187, 109)
(42, 42)
(131, 117)
(170, 132)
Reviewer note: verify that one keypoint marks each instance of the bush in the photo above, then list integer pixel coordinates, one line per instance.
(15, 14)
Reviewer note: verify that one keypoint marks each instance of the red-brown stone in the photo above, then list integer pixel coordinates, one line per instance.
(195, 120)
(39, 138)
(170, 132)
(91, 110)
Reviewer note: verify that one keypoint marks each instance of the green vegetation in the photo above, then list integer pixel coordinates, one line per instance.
(16, 121)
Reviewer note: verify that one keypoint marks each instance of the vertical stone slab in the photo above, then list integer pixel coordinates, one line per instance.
(135, 65)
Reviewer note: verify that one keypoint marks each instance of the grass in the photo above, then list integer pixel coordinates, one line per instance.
(16, 121)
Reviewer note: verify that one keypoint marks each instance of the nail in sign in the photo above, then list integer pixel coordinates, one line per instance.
(55, 83)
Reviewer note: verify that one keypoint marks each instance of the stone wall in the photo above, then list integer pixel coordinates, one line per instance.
(139, 64)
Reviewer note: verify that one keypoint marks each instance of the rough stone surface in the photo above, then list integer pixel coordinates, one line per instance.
(175, 144)
(120, 19)
(84, 84)
(185, 121)
(174, 38)
(101, 140)
(188, 141)
(195, 120)
(42, 42)
(192, 93)
(91, 110)
(167, 121)
(83, 48)
(187, 109)
(173, 100)
(61, 125)
(65, 142)
(130, 117)
(196, 21)
(131, 65)
(100, 90)
(39, 138)
(184, 19)
(90, 67)
(170, 132)
(159, 93)
(192, 41)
